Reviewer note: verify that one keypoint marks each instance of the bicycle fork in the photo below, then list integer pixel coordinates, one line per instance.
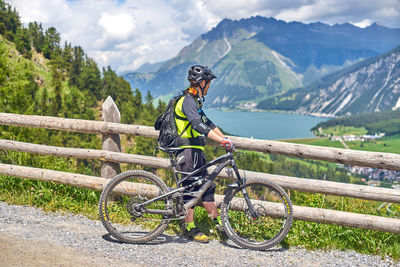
(240, 184)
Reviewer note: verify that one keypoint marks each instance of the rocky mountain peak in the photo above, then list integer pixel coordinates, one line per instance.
(258, 57)
(368, 86)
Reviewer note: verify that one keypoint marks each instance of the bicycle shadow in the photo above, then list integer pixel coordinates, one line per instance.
(164, 239)
(159, 240)
(234, 246)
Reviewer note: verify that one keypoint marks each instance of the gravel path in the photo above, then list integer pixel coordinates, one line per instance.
(29, 235)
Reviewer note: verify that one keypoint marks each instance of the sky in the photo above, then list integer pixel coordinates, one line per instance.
(125, 34)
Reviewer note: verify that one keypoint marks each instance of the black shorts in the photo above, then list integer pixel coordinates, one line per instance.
(189, 160)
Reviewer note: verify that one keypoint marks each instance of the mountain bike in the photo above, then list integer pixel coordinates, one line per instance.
(136, 206)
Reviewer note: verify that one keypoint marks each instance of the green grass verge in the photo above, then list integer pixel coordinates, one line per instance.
(49, 196)
(61, 198)
(389, 144)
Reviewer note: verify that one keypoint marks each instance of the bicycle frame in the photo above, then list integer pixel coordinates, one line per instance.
(221, 162)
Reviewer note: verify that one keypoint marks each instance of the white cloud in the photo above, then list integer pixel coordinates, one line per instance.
(126, 34)
(119, 25)
(364, 23)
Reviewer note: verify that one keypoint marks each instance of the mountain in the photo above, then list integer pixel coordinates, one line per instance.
(368, 86)
(149, 67)
(138, 79)
(258, 57)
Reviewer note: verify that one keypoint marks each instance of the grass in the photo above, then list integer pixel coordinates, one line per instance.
(388, 144)
(340, 130)
(317, 141)
(54, 197)
(49, 196)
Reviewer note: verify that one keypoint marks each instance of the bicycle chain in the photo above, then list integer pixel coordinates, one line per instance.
(160, 220)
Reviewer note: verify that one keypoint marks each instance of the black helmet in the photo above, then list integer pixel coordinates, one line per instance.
(198, 73)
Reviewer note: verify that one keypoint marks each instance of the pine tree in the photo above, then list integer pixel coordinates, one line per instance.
(76, 66)
(67, 56)
(9, 21)
(160, 107)
(137, 103)
(22, 42)
(57, 84)
(44, 103)
(36, 36)
(89, 80)
(51, 42)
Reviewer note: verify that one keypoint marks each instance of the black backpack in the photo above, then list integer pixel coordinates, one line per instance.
(165, 123)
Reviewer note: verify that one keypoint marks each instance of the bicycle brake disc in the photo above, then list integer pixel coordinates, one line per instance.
(259, 210)
(132, 206)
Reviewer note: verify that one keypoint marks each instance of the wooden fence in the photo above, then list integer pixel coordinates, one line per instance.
(111, 156)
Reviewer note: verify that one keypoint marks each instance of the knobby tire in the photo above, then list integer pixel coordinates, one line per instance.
(117, 200)
(275, 215)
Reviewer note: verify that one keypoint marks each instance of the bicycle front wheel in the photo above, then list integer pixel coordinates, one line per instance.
(271, 221)
(119, 202)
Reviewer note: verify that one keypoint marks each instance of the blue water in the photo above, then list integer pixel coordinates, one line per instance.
(264, 125)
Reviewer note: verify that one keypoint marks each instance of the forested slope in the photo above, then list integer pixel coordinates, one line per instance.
(40, 76)
(387, 122)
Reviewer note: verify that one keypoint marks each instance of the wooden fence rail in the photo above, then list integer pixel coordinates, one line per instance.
(360, 158)
(346, 156)
(299, 213)
(294, 183)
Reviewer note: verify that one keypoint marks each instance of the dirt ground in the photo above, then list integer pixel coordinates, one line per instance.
(18, 252)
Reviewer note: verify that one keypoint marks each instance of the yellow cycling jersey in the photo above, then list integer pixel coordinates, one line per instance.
(183, 125)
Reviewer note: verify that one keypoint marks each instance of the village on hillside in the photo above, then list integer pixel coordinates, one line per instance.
(375, 177)
(372, 176)
(362, 138)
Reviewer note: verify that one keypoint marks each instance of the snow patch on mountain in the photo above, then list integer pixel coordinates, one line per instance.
(203, 43)
(229, 47)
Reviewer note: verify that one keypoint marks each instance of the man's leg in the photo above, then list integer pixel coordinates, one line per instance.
(185, 163)
(190, 216)
(191, 229)
(189, 162)
(211, 209)
(209, 204)
(189, 220)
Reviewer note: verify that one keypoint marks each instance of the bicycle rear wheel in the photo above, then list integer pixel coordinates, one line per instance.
(120, 199)
(272, 223)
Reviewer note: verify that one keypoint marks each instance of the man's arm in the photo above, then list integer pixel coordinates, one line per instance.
(216, 135)
(218, 131)
(190, 109)
(208, 128)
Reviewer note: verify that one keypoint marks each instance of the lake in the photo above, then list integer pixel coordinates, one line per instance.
(264, 125)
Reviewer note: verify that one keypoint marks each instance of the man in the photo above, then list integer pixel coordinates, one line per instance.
(191, 120)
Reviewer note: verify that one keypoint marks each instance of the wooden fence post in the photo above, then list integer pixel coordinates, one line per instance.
(111, 142)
